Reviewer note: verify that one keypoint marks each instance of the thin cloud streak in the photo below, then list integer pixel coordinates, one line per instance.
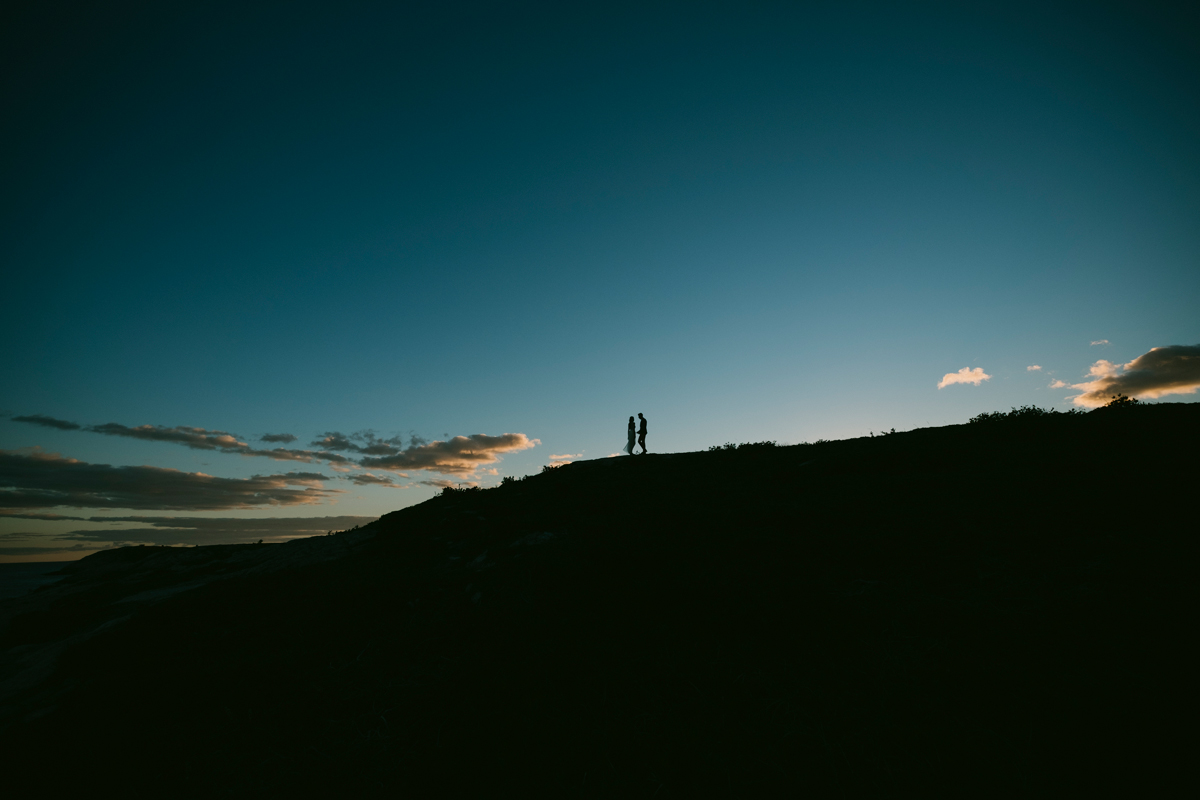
(48, 422)
(367, 479)
(35, 479)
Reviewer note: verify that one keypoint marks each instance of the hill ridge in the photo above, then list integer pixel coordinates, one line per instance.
(876, 587)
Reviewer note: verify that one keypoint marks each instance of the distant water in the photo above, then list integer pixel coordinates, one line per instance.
(19, 579)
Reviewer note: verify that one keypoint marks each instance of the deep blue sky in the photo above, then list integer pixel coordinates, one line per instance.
(776, 222)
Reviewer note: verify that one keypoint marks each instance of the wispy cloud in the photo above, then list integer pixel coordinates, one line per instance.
(48, 422)
(365, 442)
(277, 438)
(461, 455)
(964, 375)
(202, 439)
(367, 479)
(1174, 369)
(32, 479)
(1033, 368)
(1099, 342)
(567, 458)
(195, 439)
(1057, 384)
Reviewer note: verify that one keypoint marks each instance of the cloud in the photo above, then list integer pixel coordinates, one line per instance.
(964, 375)
(202, 439)
(306, 456)
(1057, 384)
(33, 479)
(1174, 369)
(280, 438)
(195, 439)
(365, 442)
(367, 479)
(334, 441)
(1099, 341)
(48, 422)
(558, 461)
(461, 455)
(1034, 368)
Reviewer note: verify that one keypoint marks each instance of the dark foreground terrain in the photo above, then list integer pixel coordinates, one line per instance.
(1002, 608)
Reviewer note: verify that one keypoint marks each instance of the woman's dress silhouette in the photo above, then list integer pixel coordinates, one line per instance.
(628, 448)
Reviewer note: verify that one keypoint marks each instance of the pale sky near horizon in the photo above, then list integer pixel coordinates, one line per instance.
(782, 222)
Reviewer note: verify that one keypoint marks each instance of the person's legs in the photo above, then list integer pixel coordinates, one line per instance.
(642, 441)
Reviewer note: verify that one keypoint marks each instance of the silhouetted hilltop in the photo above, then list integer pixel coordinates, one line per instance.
(1001, 607)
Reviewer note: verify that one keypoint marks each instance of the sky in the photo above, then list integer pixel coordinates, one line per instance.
(418, 246)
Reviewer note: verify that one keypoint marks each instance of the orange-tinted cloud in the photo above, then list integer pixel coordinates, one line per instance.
(461, 455)
(1174, 369)
(1034, 368)
(972, 376)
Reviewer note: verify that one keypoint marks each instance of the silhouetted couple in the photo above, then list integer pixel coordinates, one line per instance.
(639, 432)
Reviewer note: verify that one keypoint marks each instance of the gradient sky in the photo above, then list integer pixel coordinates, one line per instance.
(774, 221)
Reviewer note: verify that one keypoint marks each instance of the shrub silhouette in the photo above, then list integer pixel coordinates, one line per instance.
(729, 446)
(1121, 401)
(1025, 413)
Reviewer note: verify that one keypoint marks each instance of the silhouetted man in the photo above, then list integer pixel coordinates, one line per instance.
(642, 434)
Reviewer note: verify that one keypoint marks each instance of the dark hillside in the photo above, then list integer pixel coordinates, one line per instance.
(997, 608)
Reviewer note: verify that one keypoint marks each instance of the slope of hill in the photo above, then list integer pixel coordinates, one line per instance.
(997, 607)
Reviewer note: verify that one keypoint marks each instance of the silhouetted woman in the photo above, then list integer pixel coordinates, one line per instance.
(632, 437)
